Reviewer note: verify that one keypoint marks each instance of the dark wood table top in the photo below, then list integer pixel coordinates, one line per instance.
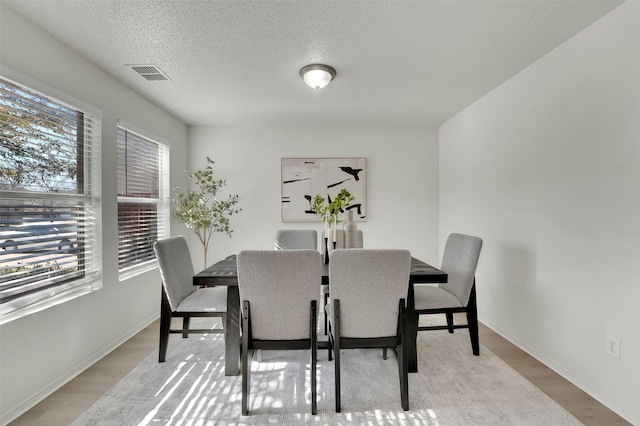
(225, 272)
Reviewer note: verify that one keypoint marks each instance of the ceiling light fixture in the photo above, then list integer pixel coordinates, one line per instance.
(317, 76)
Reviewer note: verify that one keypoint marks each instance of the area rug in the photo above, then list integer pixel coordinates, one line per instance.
(452, 387)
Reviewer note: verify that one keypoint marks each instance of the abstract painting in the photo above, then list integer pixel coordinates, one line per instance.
(303, 178)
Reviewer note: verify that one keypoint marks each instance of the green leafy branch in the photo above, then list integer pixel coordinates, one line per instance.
(202, 210)
(329, 211)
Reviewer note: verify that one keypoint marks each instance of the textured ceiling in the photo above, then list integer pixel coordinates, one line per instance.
(231, 62)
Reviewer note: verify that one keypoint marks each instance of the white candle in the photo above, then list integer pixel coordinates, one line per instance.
(335, 233)
(326, 228)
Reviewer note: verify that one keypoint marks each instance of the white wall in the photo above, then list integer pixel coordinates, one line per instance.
(402, 181)
(546, 168)
(40, 352)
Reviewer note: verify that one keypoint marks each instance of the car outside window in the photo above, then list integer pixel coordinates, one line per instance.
(49, 200)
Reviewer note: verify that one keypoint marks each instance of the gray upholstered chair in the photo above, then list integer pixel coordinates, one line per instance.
(296, 239)
(339, 245)
(367, 308)
(179, 297)
(278, 294)
(459, 261)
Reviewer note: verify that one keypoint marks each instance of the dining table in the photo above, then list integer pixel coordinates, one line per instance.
(225, 273)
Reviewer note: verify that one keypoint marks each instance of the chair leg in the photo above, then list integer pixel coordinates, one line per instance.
(403, 370)
(165, 325)
(472, 321)
(330, 343)
(246, 380)
(337, 376)
(336, 351)
(449, 316)
(185, 327)
(326, 299)
(403, 363)
(314, 357)
(246, 360)
(384, 353)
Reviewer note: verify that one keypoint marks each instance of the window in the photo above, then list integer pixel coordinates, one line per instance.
(49, 200)
(143, 208)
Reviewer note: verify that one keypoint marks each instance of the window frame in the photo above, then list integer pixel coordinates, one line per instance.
(91, 279)
(162, 203)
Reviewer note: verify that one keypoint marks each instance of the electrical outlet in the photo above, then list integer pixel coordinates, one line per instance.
(612, 346)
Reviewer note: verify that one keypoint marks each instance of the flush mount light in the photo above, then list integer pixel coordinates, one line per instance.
(317, 75)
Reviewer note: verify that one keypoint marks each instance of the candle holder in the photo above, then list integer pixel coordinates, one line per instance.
(326, 250)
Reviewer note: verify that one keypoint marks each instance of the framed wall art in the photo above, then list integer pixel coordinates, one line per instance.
(303, 178)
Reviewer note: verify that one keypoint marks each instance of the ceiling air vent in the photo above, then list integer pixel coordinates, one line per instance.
(150, 72)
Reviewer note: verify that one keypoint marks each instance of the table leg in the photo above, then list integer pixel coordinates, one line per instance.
(232, 333)
(412, 332)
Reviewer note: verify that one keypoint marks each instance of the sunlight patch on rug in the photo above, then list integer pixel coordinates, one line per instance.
(452, 387)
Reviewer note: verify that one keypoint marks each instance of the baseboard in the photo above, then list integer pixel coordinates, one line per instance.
(7, 418)
(560, 370)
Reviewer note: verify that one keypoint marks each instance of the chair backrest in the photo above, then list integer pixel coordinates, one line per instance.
(369, 284)
(459, 261)
(340, 239)
(176, 269)
(279, 286)
(296, 239)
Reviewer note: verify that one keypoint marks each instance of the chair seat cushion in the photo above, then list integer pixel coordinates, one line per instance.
(433, 297)
(210, 299)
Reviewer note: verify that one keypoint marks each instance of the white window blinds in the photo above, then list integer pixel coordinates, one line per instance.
(143, 207)
(49, 200)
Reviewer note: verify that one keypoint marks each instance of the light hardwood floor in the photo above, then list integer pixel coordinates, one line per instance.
(66, 404)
